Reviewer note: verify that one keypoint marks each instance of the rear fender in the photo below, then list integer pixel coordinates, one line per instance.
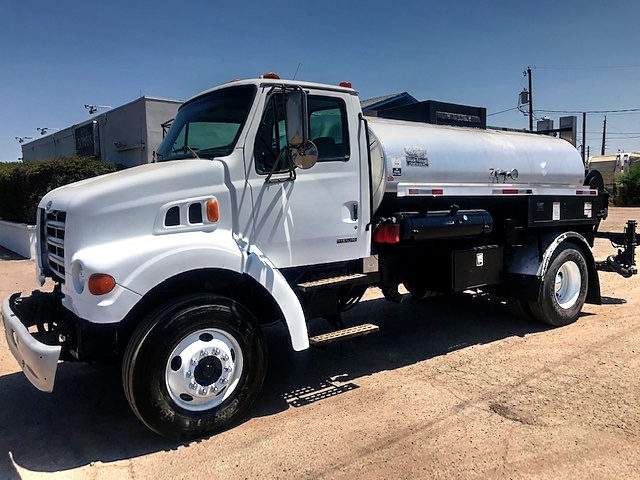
(526, 259)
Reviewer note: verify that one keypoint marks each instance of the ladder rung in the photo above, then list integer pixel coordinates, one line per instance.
(344, 334)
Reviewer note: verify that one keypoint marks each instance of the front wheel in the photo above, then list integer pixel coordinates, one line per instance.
(563, 290)
(194, 366)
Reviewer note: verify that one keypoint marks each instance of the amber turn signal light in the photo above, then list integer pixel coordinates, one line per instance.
(213, 211)
(101, 283)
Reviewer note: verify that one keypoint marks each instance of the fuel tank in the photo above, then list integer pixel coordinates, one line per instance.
(421, 153)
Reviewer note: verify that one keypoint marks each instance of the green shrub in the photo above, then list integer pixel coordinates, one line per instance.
(629, 189)
(22, 185)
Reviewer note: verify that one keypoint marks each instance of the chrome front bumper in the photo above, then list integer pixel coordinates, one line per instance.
(38, 361)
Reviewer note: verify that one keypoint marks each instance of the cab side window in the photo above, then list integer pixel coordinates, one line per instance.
(271, 138)
(327, 129)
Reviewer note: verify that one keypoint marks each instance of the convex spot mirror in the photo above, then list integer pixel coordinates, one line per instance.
(305, 156)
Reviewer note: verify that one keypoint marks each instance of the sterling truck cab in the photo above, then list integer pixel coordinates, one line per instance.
(277, 201)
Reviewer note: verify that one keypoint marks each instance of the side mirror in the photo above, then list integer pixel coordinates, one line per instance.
(304, 153)
(296, 117)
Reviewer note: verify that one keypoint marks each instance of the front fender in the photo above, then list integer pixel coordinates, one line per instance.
(140, 264)
(263, 271)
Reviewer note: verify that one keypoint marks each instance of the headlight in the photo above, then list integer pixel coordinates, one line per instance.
(77, 274)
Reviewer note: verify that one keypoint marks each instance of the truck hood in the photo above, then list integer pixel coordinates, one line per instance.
(126, 203)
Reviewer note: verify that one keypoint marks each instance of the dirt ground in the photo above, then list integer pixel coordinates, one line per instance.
(459, 387)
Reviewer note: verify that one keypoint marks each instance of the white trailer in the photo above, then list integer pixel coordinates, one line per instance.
(278, 201)
(610, 166)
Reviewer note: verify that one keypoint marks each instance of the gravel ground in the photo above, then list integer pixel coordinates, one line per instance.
(450, 387)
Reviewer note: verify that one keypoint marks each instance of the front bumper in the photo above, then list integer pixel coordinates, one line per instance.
(38, 360)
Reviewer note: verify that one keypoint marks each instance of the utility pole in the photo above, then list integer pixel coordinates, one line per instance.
(584, 138)
(604, 135)
(530, 101)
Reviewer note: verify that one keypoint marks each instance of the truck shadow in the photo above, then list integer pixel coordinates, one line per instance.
(411, 332)
(87, 418)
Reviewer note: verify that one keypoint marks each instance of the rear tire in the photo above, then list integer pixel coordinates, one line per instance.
(194, 366)
(416, 290)
(563, 289)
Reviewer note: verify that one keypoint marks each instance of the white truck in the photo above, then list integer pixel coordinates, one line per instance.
(278, 201)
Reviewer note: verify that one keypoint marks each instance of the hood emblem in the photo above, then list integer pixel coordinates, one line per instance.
(48, 206)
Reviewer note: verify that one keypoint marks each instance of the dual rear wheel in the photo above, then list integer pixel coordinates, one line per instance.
(563, 289)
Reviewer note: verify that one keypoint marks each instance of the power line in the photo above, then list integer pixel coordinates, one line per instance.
(621, 111)
(502, 111)
(603, 67)
(615, 133)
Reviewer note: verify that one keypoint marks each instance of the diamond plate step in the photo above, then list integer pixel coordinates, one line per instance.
(343, 334)
(333, 281)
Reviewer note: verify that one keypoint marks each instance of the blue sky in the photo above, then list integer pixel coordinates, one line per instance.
(585, 55)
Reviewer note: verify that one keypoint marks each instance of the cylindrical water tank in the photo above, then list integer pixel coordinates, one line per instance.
(410, 152)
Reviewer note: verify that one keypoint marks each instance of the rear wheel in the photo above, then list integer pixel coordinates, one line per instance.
(416, 289)
(563, 290)
(194, 366)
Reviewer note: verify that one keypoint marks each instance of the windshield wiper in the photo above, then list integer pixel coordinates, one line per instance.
(186, 149)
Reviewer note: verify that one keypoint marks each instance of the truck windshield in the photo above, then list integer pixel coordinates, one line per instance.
(208, 126)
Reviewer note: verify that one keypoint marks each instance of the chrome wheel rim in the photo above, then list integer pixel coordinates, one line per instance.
(204, 369)
(568, 284)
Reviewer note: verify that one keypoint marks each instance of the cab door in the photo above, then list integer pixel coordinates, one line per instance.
(309, 216)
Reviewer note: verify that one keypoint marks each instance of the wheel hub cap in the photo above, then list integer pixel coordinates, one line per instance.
(203, 369)
(208, 371)
(568, 284)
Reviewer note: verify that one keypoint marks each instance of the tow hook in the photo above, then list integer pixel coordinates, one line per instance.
(623, 263)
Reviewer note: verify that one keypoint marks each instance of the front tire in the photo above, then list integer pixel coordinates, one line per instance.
(563, 289)
(194, 366)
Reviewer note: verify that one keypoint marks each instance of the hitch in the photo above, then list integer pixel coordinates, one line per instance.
(623, 263)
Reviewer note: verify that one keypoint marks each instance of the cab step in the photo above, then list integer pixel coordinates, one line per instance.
(343, 334)
(334, 281)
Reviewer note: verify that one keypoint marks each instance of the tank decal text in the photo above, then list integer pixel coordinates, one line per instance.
(416, 157)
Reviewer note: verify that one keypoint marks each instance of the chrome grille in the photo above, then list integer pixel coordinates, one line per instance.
(54, 241)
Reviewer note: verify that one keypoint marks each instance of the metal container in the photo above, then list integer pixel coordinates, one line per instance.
(434, 155)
